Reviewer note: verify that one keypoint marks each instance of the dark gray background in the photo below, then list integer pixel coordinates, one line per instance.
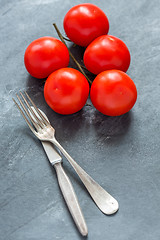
(121, 153)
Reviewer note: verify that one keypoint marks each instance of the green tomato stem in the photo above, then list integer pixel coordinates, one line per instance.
(71, 55)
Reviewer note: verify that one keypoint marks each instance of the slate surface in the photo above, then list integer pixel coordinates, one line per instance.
(121, 153)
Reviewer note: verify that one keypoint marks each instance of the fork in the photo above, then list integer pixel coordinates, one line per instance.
(43, 130)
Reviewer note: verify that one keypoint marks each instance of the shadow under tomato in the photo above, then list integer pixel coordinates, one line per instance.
(68, 126)
(113, 128)
(35, 84)
(78, 53)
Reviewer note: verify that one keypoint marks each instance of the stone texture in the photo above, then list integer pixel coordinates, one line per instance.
(121, 153)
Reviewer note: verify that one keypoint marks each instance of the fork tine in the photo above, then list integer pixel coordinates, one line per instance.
(26, 111)
(44, 119)
(28, 123)
(38, 120)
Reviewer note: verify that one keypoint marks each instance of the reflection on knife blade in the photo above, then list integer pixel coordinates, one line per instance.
(53, 155)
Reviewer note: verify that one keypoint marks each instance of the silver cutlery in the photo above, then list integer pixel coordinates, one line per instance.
(65, 184)
(45, 132)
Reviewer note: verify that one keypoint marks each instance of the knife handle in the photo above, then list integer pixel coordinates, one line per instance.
(71, 199)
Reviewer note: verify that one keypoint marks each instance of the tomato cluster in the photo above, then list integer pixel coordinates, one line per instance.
(66, 90)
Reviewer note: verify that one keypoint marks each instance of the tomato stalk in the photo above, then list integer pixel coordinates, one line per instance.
(84, 68)
(71, 55)
(67, 39)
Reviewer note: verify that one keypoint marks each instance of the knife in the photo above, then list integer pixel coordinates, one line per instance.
(65, 185)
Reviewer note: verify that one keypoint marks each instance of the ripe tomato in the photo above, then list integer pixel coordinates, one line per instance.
(113, 93)
(106, 52)
(85, 22)
(45, 55)
(66, 90)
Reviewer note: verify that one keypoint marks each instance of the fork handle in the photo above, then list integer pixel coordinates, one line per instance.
(106, 203)
(71, 199)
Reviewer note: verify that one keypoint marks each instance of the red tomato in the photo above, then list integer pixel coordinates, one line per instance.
(85, 22)
(66, 90)
(45, 55)
(113, 93)
(106, 52)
